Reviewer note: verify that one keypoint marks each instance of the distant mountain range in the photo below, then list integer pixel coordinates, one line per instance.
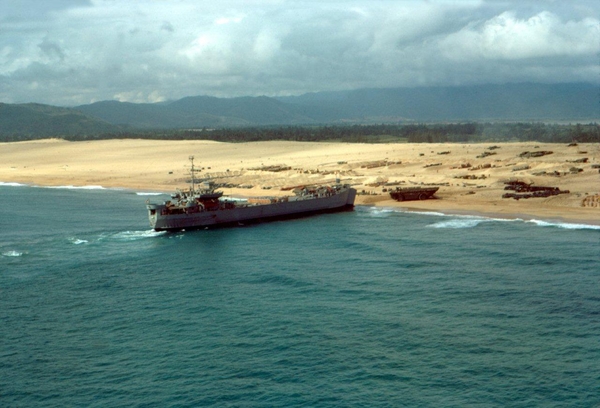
(511, 102)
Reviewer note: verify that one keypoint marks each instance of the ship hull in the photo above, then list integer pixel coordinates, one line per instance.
(240, 215)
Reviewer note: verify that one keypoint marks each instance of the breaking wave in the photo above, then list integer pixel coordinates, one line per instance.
(376, 211)
(564, 225)
(470, 221)
(4, 184)
(467, 221)
(92, 187)
(458, 223)
(77, 241)
(12, 253)
(432, 213)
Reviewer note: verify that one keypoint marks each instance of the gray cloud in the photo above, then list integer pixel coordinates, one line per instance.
(73, 52)
(167, 26)
(28, 10)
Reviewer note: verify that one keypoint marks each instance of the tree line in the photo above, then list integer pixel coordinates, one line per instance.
(376, 133)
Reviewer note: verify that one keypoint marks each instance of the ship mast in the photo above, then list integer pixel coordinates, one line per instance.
(192, 173)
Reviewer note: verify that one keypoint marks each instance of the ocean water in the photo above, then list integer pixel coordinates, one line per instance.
(370, 308)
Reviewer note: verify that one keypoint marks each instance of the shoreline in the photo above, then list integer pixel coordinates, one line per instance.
(471, 183)
(517, 216)
(573, 216)
(393, 205)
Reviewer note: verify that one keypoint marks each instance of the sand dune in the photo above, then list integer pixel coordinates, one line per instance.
(471, 176)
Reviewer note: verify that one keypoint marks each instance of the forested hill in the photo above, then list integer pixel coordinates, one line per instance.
(199, 112)
(36, 121)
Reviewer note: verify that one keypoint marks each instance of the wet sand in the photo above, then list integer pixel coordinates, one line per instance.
(471, 177)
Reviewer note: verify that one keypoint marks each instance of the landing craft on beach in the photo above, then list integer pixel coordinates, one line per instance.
(413, 193)
(205, 207)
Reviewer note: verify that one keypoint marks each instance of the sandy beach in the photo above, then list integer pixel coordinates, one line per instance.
(471, 177)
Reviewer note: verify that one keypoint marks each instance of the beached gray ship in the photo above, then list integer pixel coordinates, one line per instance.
(205, 207)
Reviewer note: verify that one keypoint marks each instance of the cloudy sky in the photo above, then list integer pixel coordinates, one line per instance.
(69, 52)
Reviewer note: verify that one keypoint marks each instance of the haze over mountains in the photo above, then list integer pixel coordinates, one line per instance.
(576, 102)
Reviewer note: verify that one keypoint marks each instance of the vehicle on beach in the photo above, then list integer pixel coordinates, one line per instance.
(413, 193)
(206, 207)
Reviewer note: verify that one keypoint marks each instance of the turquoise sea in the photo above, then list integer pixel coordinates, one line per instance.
(370, 308)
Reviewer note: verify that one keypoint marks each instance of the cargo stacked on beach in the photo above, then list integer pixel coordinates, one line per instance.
(528, 190)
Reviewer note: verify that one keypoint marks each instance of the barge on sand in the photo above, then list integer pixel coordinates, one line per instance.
(205, 207)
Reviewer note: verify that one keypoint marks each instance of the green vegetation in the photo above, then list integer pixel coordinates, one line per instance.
(384, 133)
(35, 121)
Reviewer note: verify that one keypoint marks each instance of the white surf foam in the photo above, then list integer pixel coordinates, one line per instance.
(470, 221)
(148, 194)
(380, 211)
(136, 235)
(432, 213)
(92, 187)
(4, 184)
(466, 221)
(473, 221)
(12, 253)
(459, 223)
(77, 241)
(564, 225)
